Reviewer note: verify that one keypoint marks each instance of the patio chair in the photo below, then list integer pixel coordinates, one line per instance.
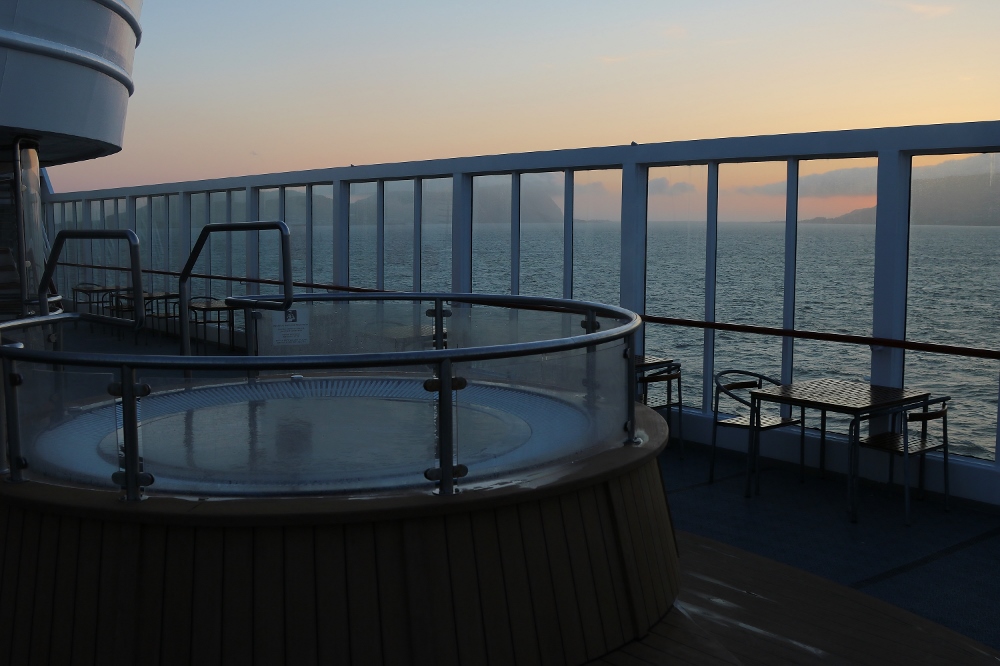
(735, 385)
(906, 444)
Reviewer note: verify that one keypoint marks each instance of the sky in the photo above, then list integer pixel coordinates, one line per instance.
(236, 87)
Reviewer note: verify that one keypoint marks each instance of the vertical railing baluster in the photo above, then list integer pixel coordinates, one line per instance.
(130, 434)
(631, 392)
(11, 381)
(446, 443)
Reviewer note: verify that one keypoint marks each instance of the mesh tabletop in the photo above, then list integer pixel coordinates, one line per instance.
(840, 396)
(649, 362)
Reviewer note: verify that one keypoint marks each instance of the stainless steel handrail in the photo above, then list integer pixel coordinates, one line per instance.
(96, 234)
(184, 286)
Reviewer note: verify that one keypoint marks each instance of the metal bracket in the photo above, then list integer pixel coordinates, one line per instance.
(141, 390)
(434, 473)
(16, 379)
(457, 384)
(444, 312)
(120, 478)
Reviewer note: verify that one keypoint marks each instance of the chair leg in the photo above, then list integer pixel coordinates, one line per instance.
(711, 458)
(920, 492)
(802, 445)
(680, 418)
(822, 445)
(906, 476)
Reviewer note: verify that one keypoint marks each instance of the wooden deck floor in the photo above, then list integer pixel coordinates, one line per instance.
(740, 608)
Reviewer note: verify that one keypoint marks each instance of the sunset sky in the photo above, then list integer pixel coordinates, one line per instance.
(231, 87)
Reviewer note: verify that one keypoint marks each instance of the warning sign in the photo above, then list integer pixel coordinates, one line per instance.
(290, 327)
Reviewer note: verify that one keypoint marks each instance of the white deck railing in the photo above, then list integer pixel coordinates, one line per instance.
(171, 214)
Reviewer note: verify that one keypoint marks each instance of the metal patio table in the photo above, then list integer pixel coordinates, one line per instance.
(855, 399)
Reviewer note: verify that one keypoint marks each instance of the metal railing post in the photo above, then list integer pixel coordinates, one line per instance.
(133, 479)
(11, 381)
(631, 392)
(446, 442)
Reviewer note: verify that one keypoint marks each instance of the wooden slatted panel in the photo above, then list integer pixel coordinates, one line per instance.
(206, 616)
(178, 584)
(656, 549)
(300, 596)
(590, 521)
(107, 594)
(152, 573)
(41, 621)
(88, 582)
(644, 547)
(8, 584)
(268, 596)
(523, 616)
(393, 605)
(589, 596)
(660, 521)
(237, 596)
(493, 596)
(25, 597)
(429, 581)
(465, 590)
(576, 643)
(623, 543)
(128, 598)
(64, 601)
(543, 597)
(332, 617)
(362, 595)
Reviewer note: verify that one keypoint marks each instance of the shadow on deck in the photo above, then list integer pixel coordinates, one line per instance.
(784, 577)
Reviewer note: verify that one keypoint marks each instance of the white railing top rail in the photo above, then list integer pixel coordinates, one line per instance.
(981, 136)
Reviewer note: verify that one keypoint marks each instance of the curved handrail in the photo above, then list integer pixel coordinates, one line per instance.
(183, 283)
(95, 234)
(340, 361)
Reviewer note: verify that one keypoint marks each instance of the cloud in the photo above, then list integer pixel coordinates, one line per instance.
(862, 181)
(663, 187)
(928, 11)
(594, 187)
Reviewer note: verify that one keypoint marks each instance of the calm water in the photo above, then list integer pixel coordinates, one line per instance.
(954, 296)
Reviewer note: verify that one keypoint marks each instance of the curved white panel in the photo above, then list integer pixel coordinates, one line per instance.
(66, 74)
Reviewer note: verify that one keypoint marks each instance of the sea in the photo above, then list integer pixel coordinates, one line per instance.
(954, 296)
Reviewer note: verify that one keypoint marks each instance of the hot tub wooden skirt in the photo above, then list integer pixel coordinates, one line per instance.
(559, 570)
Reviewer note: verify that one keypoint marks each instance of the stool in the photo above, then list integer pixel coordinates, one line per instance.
(669, 372)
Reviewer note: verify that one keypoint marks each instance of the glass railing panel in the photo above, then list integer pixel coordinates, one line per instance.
(200, 287)
(322, 239)
(398, 250)
(158, 250)
(750, 264)
(675, 268)
(597, 228)
(177, 244)
(268, 243)
(491, 234)
(954, 289)
(295, 218)
(97, 246)
(288, 433)
(542, 234)
(70, 425)
(363, 232)
(218, 244)
(835, 269)
(518, 414)
(435, 235)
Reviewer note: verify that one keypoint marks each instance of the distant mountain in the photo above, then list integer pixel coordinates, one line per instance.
(960, 200)
(489, 205)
